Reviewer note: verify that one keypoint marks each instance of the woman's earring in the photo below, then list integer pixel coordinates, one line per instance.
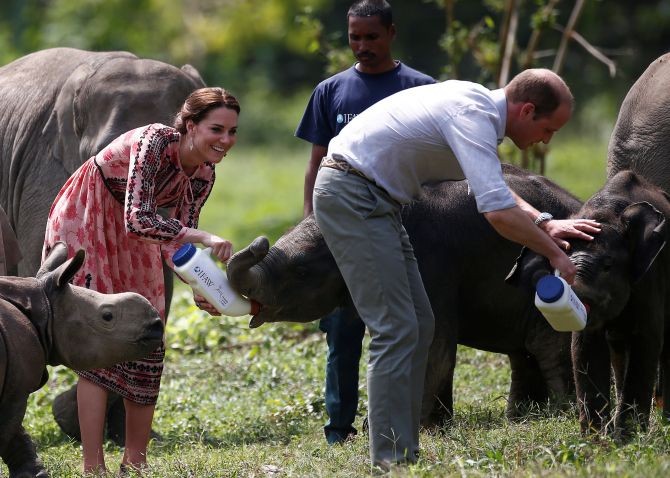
(191, 145)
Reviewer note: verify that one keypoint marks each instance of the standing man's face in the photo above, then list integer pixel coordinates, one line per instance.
(370, 42)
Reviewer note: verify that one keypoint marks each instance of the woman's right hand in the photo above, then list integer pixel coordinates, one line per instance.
(221, 248)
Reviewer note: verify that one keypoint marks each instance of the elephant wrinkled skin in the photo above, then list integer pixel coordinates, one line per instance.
(46, 321)
(463, 263)
(58, 107)
(639, 141)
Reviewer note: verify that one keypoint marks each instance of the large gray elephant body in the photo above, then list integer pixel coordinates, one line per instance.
(46, 321)
(59, 107)
(463, 263)
(639, 141)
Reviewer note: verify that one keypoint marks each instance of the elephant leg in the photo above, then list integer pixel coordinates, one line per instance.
(659, 393)
(30, 214)
(638, 388)
(591, 367)
(527, 388)
(64, 410)
(438, 404)
(663, 385)
(116, 419)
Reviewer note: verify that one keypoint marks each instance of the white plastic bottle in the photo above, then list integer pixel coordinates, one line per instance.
(198, 268)
(559, 304)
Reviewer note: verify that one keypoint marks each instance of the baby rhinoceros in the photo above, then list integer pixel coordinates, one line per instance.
(45, 320)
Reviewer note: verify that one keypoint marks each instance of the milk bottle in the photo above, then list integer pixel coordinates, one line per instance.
(198, 268)
(559, 304)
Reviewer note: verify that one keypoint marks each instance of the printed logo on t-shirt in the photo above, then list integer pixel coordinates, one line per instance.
(345, 118)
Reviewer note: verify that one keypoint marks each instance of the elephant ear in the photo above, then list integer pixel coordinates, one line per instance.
(191, 72)
(64, 127)
(528, 268)
(646, 231)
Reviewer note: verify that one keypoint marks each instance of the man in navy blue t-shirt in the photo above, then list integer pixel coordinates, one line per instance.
(334, 102)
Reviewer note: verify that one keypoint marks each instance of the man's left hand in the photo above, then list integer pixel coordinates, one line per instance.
(560, 229)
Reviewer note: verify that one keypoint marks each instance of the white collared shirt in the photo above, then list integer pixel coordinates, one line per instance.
(445, 131)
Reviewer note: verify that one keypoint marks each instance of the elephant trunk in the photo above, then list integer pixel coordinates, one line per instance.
(243, 276)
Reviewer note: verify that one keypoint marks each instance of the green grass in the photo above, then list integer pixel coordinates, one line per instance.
(237, 402)
(578, 165)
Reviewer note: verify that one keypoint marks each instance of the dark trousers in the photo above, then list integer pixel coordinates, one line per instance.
(344, 334)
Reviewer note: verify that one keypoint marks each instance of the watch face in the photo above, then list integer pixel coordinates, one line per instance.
(544, 216)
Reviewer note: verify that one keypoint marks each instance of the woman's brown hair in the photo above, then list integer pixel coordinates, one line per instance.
(201, 102)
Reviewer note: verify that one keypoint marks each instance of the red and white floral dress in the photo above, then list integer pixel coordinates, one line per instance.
(109, 207)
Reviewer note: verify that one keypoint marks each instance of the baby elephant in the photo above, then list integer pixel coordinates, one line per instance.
(45, 320)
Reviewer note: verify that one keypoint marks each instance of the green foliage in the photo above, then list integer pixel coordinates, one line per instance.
(258, 191)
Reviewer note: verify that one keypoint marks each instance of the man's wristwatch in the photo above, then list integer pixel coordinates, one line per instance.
(544, 216)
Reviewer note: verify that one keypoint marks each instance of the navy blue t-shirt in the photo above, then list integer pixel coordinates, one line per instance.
(338, 99)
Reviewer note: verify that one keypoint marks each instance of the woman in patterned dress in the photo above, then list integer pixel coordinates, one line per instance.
(109, 208)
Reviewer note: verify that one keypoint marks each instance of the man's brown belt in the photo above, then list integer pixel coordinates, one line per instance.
(341, 165)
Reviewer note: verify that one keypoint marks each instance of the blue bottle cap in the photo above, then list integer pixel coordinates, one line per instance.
(183, 254)
(550, 288)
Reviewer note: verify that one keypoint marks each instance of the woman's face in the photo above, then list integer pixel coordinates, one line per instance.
(214, 135)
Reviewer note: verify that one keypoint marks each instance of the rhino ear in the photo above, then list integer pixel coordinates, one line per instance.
(57, 255)
(66, 271)
(646, 230)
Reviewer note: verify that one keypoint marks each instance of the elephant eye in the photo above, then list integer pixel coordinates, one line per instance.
(107, 316)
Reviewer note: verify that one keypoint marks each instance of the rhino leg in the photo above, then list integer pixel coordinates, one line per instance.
(20, 455)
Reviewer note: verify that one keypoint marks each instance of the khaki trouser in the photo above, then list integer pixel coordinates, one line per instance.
(361, 225)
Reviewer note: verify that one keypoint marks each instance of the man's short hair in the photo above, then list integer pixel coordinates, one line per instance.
(541, 87)
(370, 8)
